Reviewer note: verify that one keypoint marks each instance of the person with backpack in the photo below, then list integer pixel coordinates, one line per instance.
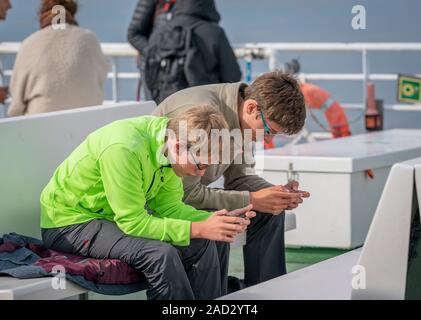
(189, 49)
(148, 15)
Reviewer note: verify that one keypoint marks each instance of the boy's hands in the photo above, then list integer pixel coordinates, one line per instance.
(276, 199)
(244, 213)
(223, 225)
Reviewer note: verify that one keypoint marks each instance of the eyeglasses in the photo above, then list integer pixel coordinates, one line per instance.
(200, 166)
(268, 130)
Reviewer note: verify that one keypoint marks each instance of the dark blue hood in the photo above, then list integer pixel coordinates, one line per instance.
(202, 9)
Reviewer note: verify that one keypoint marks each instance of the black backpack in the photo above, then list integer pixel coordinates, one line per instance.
(172, 60)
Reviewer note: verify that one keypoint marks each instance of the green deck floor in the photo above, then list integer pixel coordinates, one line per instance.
(296, 258)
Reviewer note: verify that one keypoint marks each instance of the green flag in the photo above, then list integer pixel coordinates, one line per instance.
(409, 89)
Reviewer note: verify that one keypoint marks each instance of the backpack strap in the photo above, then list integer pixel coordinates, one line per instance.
(190, 31)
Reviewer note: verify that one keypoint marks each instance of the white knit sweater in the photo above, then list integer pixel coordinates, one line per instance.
(57, 70)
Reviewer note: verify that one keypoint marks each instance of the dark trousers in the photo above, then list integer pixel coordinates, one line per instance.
(264, 252)
(197, 271)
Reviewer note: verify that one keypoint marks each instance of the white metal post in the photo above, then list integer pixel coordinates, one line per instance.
(115, 79)
(273, 59)
(365, 75)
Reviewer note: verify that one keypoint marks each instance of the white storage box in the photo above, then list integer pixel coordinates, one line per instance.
(343, 199)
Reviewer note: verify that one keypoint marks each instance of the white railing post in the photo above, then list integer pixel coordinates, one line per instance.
(273, 63)
(366, 75)
(115, 78)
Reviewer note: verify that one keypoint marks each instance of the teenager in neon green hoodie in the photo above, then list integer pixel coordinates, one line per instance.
(119, 195)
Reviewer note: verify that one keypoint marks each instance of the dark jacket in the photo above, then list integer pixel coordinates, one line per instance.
(142, 24)
(221, 62)
(211, 39)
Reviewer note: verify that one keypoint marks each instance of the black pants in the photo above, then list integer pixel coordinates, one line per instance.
(197, 271)
(264, 252)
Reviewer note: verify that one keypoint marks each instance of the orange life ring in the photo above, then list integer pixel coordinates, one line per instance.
(318, 98)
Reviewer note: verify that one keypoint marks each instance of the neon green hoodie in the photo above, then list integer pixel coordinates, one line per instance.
(119, 173)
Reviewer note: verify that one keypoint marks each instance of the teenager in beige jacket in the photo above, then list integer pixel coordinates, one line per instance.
(58, 69)
(273, 103)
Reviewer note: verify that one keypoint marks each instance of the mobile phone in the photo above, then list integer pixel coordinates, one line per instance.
(289, 188)
(243, 215)
(240, 212)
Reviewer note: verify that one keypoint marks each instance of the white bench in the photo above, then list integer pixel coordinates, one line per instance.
(384, 268)
(31, 148)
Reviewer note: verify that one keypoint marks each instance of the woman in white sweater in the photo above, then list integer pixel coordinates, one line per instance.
(58, 69)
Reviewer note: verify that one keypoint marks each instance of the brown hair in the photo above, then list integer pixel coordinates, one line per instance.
(279, 97)
(46, 14)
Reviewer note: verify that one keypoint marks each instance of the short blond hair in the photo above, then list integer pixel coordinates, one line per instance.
(204, 118)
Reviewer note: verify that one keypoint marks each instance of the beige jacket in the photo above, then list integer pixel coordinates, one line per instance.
(239, 179)
(56, 70)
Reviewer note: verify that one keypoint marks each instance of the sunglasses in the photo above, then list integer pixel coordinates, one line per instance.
(268, 130)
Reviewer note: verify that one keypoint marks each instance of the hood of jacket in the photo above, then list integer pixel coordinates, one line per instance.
(202, 9)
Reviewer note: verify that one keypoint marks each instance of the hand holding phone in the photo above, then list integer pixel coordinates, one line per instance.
(292, 186)
(242, 212)
(223, 225)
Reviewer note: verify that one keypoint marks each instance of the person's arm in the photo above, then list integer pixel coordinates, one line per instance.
(141, 24)
(218, 226)
(242, 187)
(239, 180)
(264, 196)
(121, 172)
(243, 177)
(169, 202)
(229, 69)
(202, 197)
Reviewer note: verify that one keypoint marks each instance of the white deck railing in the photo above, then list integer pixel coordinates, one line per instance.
(259, 51)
